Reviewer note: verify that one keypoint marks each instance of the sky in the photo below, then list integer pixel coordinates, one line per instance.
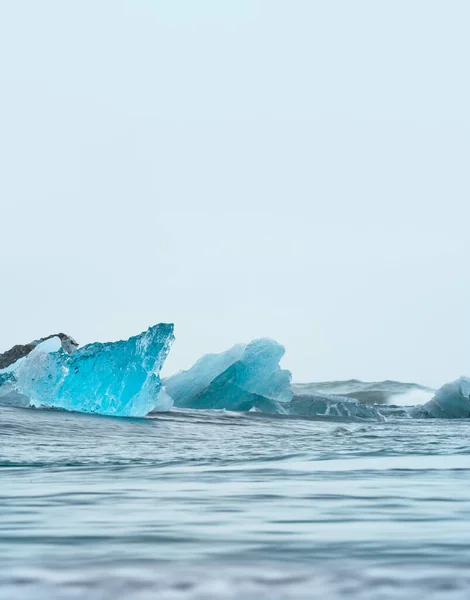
(293, 169)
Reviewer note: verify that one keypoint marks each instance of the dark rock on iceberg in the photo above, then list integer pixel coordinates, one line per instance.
(20, 351)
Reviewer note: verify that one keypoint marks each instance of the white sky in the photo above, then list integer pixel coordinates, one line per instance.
(293, 169)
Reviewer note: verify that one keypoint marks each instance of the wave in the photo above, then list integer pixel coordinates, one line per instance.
(369, 392)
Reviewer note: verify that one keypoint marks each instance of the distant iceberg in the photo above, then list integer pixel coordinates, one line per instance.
(451, 401)
(242, 378)
(116, 378)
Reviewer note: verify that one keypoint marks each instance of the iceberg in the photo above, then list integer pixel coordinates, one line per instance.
(451, 401)
(116, 378)
(248, 378)
(243, 378)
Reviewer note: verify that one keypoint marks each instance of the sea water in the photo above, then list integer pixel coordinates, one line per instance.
(215, 504)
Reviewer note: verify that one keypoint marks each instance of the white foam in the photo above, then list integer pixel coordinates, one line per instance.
(412, 398)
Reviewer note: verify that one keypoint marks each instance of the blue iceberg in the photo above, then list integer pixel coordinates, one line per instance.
(451, 401)
(244, 377)
(116, 378)
(249, 378)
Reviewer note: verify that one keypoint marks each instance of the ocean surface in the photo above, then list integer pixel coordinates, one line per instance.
(215, 504)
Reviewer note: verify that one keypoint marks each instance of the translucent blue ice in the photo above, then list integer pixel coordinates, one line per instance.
(116, 378)
(451, 401)
(242, 378)
(249, 378)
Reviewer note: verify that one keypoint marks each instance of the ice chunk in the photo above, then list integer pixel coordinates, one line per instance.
(451, 401)
(242, 378)
(329, 405)
(116, 378)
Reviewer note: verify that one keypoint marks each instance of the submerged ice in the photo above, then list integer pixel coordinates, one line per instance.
(329, 405)
(244, 377)
(115, 378)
